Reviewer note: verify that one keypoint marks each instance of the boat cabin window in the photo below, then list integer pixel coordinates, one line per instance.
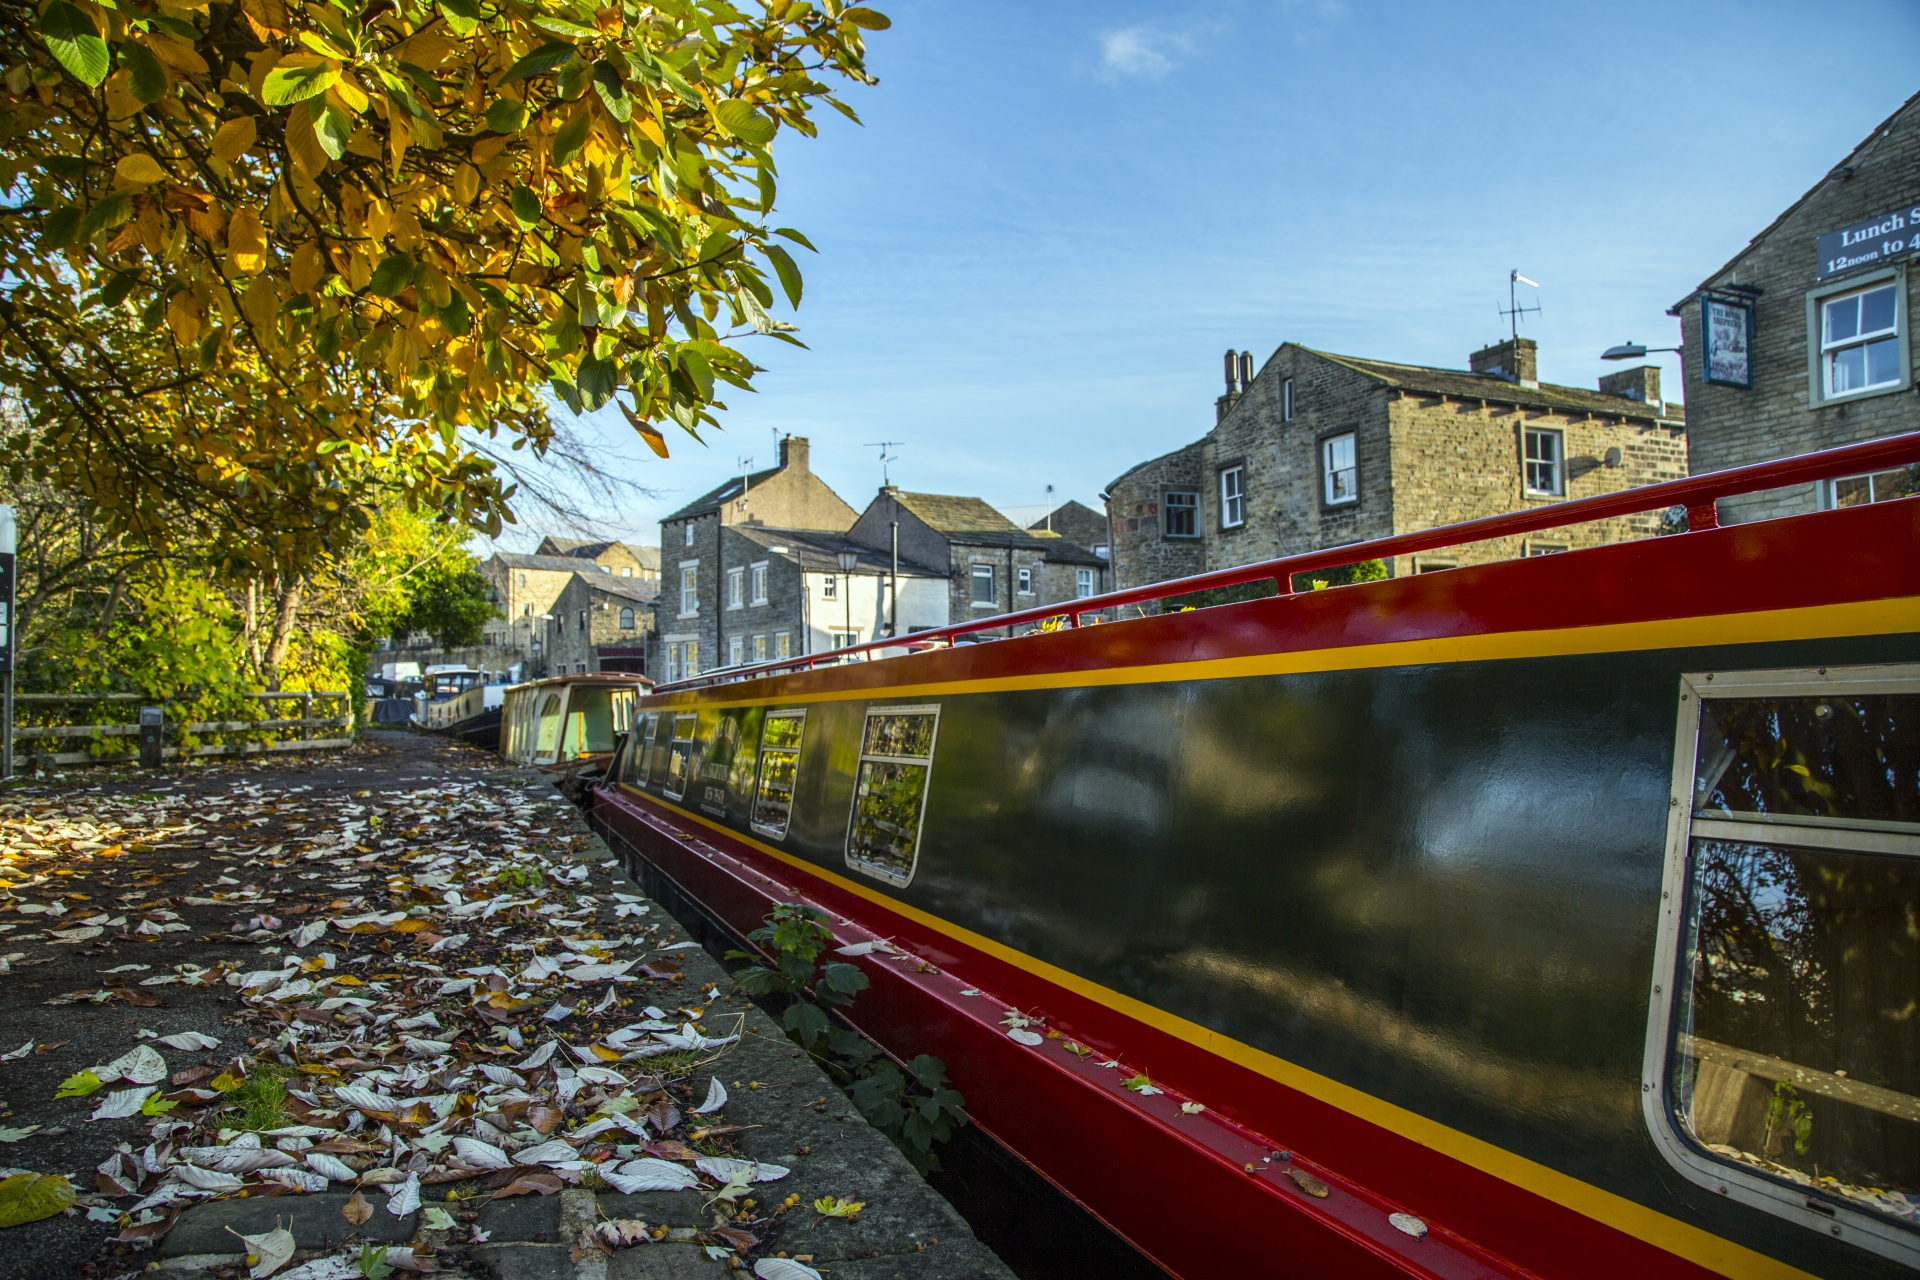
(890, 792)
(780, 737)
(641, 754)
(679, 757)
(590, 723)
(1792, 1054)
(548, 734)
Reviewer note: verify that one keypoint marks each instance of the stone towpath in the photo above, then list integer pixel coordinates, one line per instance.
(399, 1008)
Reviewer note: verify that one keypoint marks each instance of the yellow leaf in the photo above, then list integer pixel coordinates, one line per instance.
(268, 18)
(261, 301)
(309, 269)
(177, 54)
(309, 157)
(487, 148)
(347, 95)
(318, 1069)
(247, 242)
(466, 183)
(227, 1082)
(206, 223)
(231, 140)
(183, 315)
(408, 926)
(139, 169)
(263, 63)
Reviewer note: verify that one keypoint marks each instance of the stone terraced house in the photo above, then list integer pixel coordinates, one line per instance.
(1319, 450)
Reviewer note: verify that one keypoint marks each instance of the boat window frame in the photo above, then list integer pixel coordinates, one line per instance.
(1830, 1216)
(760, 770)
(649, 728)
(674, 740)
(920, 820)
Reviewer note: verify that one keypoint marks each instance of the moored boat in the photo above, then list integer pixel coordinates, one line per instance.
(1549, 917)
(568, 726)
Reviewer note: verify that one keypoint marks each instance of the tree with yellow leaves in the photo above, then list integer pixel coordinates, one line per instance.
(259, 259)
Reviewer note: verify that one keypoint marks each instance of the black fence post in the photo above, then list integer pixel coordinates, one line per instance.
(153, 735)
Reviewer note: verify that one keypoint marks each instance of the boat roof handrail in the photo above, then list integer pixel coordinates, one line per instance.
(1696, 494)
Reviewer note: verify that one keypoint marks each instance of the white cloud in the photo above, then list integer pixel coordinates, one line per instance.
(1140, 51)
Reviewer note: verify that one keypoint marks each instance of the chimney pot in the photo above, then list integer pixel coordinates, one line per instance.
(793, 453)
(1233, 369)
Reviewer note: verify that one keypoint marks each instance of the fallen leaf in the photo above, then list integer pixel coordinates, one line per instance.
(1408, 1223)
(405, 1198)
(29, 1197)
(356, 1210)
(1308, 1183)
(189, 1040)
(531, 1184)
(716, 1097)
(267, 1252)
(834, 1207)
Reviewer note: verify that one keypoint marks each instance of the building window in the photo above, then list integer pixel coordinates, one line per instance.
(689, 590)
(736, 588)
(983, 593)
(759, 648)
(1534, 548)
(1082, 583)
(1286, 400)
(1026, 581)
(1180, 513)
(843, 639)
(1860, 339)
(689, 528)
(1233, 497)
(522, 577)
(1424, 565)
(759, 585)
(583, 622)
(1339, 470)
(733, 651)
(1543, 461)
(1103, 550)
(690, 661)
(626, 571)
(890, 792)
(626, 619)
(673, 662)
(829, 588)
(1783, 1055)
(1858, 491)
(782, 645)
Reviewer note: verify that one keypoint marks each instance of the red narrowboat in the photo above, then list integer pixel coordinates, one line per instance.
(1556, 917)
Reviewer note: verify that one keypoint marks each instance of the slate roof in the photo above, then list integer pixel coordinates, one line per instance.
(712, 498)
(972, 523)
(1415, 379)
(818, 551)
(580, 548)
(552, 564)
(640, 590)
(1074, 521)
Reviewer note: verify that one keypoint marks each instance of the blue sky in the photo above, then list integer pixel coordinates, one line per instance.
(1058, 215)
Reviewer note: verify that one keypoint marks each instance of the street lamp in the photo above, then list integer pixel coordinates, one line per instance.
(1633, 351)
(849, 559)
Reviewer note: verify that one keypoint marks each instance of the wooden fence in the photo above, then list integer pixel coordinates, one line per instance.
(304, 732)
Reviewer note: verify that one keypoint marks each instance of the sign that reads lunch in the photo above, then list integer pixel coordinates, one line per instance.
(1870, 243)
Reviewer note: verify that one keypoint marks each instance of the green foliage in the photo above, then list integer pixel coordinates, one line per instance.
(1786, 1113)
(1340, 576)
(451, 601)
(29, 1197)
(917, 1108)
(263, 1098)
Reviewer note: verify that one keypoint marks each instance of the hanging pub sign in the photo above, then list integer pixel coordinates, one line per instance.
(1870, 243)
(1728, 326)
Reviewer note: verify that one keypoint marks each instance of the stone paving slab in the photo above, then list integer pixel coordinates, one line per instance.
(800, 1120)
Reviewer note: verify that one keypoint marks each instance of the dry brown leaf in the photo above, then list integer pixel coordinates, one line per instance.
(356, 1210)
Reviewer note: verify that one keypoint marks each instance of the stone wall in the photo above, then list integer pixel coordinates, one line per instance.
(1142, 553)
(784, 610)
(1786, 412)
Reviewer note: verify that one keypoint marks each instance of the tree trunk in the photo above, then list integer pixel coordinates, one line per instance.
(113, 605)
(282, 632)
(253, 622)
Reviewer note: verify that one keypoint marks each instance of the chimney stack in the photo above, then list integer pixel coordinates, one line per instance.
(1239, 369)
(793, 453)
(1642, 384)
(1516, 360)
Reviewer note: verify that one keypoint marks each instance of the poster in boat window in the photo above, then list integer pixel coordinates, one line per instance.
(679, 757)
(780, 739)
(641, 753)
(890, 792)
(717, 766)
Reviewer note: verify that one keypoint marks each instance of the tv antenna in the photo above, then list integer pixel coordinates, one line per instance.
(1513, 310)
(744, 462)
(886, 456)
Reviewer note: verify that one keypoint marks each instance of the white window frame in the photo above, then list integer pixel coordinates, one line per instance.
(1167, 504)
(1233, 497)
(733, 650)
(1328, 471)
(760, 771)
(1024, 579)
(758, 649)
(1834, 1218)
(689, 588)
(782, 645)
(926, 791)
(1286, 400)
(736, 587)
(689, 528)
(1830, 489)
(1533, 548)
(1829, 348)
(1083, 584)
(980, 573)
(757, 583)
(1558, 463)
(829, 587)
(627, 618)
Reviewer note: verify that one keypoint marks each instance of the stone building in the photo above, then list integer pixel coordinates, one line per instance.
(1319, 450)
(785, 595)
(992, 565)
(618, 558)
(599, 622)
(1078, 524)
(526, 586)
(1811, 341)
(692, 600)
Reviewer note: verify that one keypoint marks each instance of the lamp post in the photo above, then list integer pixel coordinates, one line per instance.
(848, 561)
(1634, 351)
